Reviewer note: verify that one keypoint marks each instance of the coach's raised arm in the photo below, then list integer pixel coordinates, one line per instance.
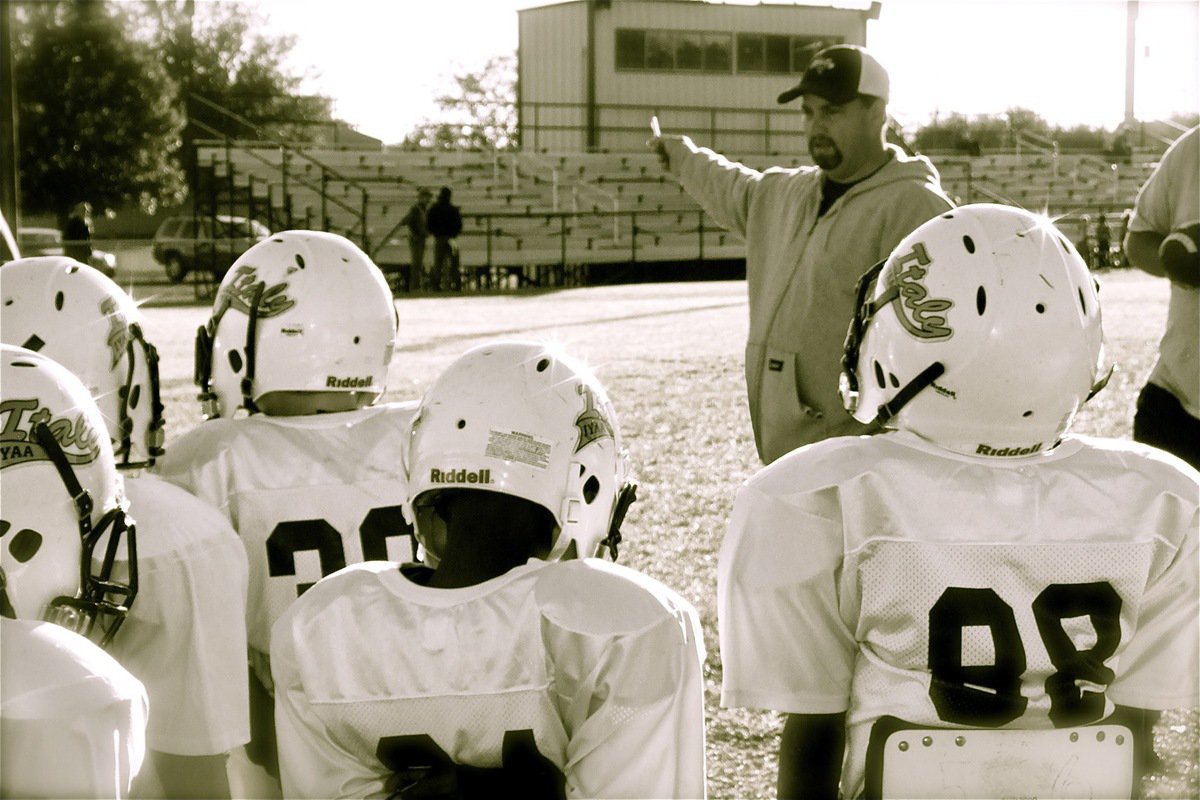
(810, 233)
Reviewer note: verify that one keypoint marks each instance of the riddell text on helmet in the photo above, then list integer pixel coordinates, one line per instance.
(988, 450)
(333, 382)
(460, 476)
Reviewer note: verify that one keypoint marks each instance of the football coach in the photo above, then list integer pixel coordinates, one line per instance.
(810, 233)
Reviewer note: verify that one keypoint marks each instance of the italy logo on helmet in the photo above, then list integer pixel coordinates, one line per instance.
(80, 443)
(922, 316)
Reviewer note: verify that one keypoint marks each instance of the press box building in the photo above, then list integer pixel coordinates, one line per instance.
(590, 73)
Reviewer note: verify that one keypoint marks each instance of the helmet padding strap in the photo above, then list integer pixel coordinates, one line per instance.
(909, 391)
(80, 497)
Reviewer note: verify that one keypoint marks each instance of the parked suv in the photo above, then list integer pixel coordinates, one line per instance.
(184, 243)
(49, 242)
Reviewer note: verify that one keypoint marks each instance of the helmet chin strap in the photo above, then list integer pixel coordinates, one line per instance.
(156, 429)
(95, 589)
(625, 498)
(911, 389)
(206, 337)
(1101, 383)
(6, 609)
(251, 347)
(864, 311)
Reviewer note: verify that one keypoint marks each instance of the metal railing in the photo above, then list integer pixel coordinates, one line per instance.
(624, 127)
(288, 152)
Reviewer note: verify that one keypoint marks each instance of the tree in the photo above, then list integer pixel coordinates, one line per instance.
(1022, 122)
(96, 114)
(944, 134)
(481, 111)
(218, 51)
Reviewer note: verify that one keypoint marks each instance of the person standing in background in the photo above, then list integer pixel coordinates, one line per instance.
(414, 221)
(444, 221)
(1162, 240)
(77, 233)
(1103, 242)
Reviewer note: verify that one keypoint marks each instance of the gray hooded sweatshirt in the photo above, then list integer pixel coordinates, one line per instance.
(801, 275)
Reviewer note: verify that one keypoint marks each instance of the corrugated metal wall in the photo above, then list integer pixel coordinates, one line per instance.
(553, 69)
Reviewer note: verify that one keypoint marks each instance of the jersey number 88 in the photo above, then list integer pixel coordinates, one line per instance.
(989, 695)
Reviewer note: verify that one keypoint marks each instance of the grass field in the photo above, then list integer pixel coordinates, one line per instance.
(671, 357)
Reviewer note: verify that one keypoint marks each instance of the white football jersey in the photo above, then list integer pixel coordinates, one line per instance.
(185, 635)
(590, 666)
(883, 576)
(307, 495)
(72, 720)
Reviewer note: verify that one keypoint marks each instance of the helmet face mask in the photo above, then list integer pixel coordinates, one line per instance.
(301, 311)
(83, 320)
(62, 498)
(523, 419)
(980, 333)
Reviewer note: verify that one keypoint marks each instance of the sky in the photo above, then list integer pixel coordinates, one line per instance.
(384, 61)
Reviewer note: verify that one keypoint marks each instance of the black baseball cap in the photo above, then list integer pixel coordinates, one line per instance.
(839, 74)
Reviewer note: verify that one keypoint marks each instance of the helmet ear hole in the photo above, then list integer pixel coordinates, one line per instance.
(980, 300)
(235, 361)
(134, 396)
(591, 488)
(25, 545)
(879, 375)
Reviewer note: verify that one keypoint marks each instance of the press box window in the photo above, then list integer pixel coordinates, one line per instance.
(631, 49)
(673, 51)
(778, 54)
(750, 50)
(660, 51)
(689, 54)
(717, 55)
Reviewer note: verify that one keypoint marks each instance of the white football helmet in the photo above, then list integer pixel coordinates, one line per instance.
(300, 311)
(84, 321)
(524, 419)
(61, 496)
(980, 332)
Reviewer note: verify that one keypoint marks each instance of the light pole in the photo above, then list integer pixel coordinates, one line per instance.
(1131, 15)
(10, 177)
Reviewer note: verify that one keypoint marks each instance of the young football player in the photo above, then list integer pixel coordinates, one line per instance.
(72, 720)
(514, 664)
(294, 450)
(184, 640)
(976, 574)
